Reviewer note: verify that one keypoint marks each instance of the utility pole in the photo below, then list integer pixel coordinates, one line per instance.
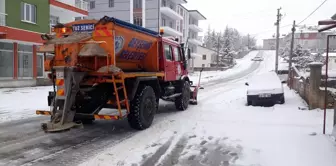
(277, 39)
(218, 47)
(248, 41)
(291, 55)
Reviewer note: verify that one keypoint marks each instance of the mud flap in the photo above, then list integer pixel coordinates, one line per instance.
(63, 112)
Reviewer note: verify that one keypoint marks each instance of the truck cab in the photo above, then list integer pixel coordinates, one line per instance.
(173, 59)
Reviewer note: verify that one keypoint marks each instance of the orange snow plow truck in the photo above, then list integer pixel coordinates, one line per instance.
(109, 63)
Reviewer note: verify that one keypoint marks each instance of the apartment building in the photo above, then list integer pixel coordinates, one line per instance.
(206, 59)
(169, 15)
(21, 24)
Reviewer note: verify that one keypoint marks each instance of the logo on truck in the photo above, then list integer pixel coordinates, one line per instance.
(141, 47)
(118, 44)
(83, 27)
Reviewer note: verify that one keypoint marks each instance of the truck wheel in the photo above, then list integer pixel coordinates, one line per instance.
(182, 102)
(249, 102)
(143, 108)
(282, 100)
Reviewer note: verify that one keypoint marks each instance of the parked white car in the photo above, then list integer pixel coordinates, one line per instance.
(265, 88)
(257, 58)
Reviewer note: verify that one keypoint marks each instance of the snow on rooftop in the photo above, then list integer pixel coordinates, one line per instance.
(315, 63)
(330, 54)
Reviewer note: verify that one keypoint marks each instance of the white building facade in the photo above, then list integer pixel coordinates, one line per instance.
(168, 15)
(205, 58)
(64, 11)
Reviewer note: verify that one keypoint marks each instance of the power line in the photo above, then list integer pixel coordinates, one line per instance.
(269, 30)
(313, 12)
(298, 23)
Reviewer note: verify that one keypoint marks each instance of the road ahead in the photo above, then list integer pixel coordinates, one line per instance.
(211, 133)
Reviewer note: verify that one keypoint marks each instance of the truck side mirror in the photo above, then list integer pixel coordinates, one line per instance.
(188, 54)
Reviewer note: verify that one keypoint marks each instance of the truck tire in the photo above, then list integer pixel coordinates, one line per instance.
(282, 100)
(143, 108)
(249, 102)
(182, 101)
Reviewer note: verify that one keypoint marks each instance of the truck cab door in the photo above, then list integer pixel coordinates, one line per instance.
(169, 63)
(178, 62)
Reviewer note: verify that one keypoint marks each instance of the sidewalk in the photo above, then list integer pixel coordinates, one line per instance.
(20, 103)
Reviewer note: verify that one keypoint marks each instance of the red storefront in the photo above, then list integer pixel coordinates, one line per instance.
(20, 64)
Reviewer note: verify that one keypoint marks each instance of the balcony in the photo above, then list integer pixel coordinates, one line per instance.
(168, 31)
(171, 12)
(195, 28)
(82, 5)
(179, 1)
(3, 19)
(195, 41)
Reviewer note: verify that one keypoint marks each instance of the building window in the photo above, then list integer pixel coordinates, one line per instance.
(137, 4)
(25, 60)
(78, 18)
(178, 25)
(164, 3)
(168, 52)
(163, 22)
(204, 57)
(92, 4)
(203, 65)
(40, 62)
(111, 3)
(28, 12)
(171, 24)
(53, 20)
(137, 21)
(6, 60)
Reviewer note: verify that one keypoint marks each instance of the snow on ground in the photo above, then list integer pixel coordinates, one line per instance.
(221, 130)
(242, 64)
(20, 103)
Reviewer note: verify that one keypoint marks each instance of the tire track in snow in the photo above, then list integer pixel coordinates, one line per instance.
(64, 148)
(45, 149)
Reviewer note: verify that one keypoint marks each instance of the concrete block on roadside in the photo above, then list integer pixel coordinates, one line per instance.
(334, 132)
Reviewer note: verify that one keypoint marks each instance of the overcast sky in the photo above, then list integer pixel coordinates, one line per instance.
(257, 16)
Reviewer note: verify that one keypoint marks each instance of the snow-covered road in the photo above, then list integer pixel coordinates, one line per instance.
(220, 131)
